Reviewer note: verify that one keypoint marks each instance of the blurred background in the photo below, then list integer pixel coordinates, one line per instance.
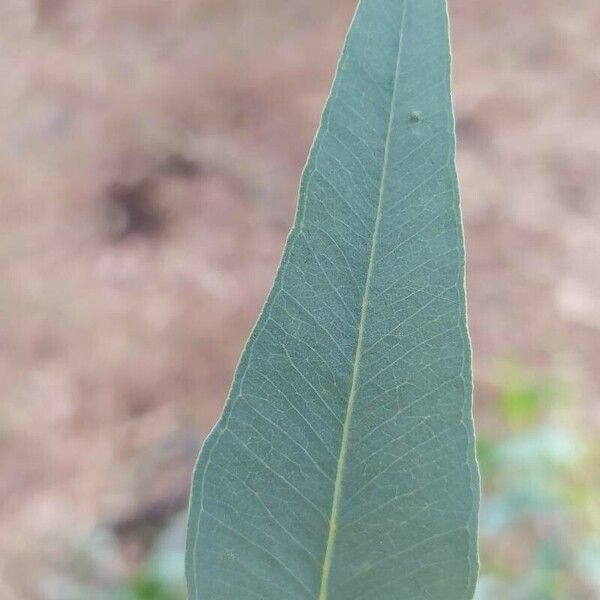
(150, 154)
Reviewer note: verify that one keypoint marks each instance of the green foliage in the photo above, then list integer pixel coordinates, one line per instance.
(144, 587)
(95, 569)
(525, 398)
(540, 513)
(343, 466)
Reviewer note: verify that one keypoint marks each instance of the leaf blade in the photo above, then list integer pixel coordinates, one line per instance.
(355, 383)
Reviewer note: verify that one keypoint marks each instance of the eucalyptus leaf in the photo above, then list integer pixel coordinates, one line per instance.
(343, 467)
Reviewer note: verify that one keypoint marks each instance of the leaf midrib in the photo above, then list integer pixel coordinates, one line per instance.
(341, 463)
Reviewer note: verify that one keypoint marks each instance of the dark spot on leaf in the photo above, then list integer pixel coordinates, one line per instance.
(415, 117)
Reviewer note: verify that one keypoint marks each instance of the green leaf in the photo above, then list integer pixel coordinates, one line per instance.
(343, 467)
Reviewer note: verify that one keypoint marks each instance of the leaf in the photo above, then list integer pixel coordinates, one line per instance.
(343, 466)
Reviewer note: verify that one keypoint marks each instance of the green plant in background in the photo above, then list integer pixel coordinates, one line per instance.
(525, 398)
(343, 466)
(95, 569)
(147, 588)
(161, 577)
(540, 517)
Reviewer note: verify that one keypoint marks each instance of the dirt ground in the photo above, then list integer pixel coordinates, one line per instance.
(150, 154)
